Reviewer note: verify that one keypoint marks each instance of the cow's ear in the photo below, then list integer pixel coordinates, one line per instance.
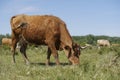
(74, 45)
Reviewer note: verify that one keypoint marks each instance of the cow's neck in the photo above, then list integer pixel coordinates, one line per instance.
(67, 42)
(66, 39)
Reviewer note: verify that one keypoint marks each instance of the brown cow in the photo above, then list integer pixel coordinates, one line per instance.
(43, 30)
(7, 41)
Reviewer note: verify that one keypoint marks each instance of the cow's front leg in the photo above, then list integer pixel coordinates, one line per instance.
(54, 52)
(48, 56)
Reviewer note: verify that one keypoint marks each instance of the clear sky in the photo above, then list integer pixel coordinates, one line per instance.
(83, 17)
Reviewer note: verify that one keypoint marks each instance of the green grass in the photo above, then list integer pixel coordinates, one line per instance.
(95, 64)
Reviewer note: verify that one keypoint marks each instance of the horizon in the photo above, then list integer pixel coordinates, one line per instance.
(73, 35)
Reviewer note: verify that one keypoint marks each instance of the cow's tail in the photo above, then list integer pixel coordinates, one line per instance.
(11, 22)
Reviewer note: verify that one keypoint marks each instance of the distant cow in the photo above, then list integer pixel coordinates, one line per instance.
(7, 41)
(103, 42)
(43, 30)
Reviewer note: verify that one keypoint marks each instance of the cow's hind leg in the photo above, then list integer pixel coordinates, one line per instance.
(23, 52)
(48, 56)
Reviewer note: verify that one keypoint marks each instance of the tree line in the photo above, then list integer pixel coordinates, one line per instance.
(92, 39)
(87, 39)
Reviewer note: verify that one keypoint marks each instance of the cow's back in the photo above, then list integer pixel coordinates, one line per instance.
(39, 28)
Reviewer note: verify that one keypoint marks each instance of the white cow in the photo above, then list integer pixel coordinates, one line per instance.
(103, 42)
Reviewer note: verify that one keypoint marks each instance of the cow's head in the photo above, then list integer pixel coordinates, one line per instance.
(74, 54)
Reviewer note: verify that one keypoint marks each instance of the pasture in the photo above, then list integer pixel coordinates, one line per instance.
(95, 64)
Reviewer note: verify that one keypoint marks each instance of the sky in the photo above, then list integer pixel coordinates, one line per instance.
(82, 17)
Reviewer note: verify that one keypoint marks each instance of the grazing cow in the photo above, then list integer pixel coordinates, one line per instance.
(43, 30)
(7, 41)
(103, 42)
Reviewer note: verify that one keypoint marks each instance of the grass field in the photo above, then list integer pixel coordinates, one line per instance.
(95, 64)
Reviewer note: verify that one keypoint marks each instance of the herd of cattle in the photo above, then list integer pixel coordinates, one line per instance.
(44, 30)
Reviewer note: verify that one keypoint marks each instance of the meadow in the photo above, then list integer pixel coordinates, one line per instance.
(95, 64)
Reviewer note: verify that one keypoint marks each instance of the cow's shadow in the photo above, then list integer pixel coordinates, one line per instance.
(51, 64)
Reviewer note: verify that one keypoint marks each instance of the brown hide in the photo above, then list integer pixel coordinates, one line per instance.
(43, 30)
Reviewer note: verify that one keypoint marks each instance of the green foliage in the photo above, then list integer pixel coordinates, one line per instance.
(104, 50)
(116, 49)
(91, 39)
(1, 36)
